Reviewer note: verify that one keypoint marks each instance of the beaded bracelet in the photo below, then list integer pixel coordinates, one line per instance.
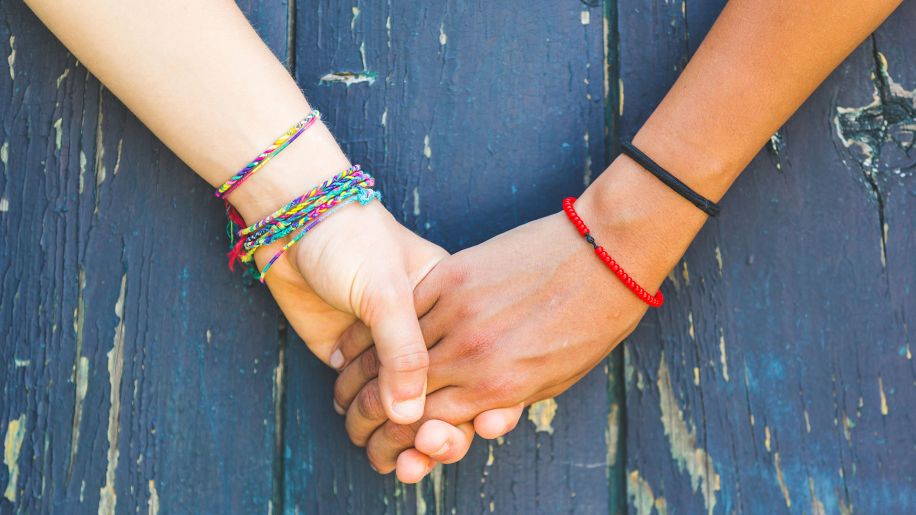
(655, 301)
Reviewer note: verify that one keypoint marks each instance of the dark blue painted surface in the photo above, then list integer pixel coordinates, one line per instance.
(777, 379)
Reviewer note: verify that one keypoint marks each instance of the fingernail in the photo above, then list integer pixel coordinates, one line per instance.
(337, 359)
(338, 408)
(411, 409)
(442, 450)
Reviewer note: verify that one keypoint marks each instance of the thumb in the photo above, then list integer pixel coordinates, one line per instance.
(403, 359)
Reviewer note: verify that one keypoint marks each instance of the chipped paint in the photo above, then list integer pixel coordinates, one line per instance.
(11, 59)
(355, 11)
(884, 409)
(685, 273)
(108, 498)
(612, 434)
(683, 442)
(443, 37)
(153, 502)
(427, 150)
(777, 147)
(807, 422)
(416, 201)
(80, 372)
(385, 117)
(585, 17)
(696, 376)
(58, 133)
(641, 497)
(620, 102)
(723, 359)
(587, 169)
(117, 165)
(83, 162)
(22, 363)
(781, 480)
(817, 507)
(541, 414)
(349, 78)
(4, 204)
(12, 445)
(62, 76)
(719, 260)
(5, 155)
(766, 437)
(690, 328)
(490, 457)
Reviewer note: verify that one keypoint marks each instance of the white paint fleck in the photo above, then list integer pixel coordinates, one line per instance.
(12, 445)
(153, 502)
(427, 150)
(587, 173)
(690, 329)
(884, 409)
(5, 154)
(83, 162)
(585, 17)
(766, 437)
(722, 357)
(355, 11)
(385, 117)
(108, 498)
(612, 434)
(719, 259)
(641, 497)
(683, 442)
(416, 201)
(443, 37)
(58, 133)
(11, 59)
(349, 78)
(22, 363)
(117, 165)
(541, 414)
(62, 76)
(4, 204)
(781, 480)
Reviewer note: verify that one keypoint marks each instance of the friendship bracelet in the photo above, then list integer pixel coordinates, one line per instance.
(655, 301)
(269, 153)
(707, 206)
(302, 214)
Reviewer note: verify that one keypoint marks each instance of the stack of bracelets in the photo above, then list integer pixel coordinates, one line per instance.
(705, 205)
(297, 217)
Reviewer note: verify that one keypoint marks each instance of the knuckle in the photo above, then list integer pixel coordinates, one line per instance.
(400, 435)
(368, 363)
(369, 403)
(503, 390)
(476, 346)
(409, 361)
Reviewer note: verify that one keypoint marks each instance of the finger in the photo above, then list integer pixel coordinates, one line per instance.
(356, 375)
(365, 414)
(352, 342)
(403, 358)
(413, 466)
(497, 422)
(452, 405)
(444, 442)
(427, 292)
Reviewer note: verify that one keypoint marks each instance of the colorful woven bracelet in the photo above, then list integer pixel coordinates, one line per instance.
(653, 300)
(269, 153)
(301, 215)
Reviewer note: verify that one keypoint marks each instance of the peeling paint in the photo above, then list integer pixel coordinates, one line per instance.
(777, 147)
(63, 76)
(83, 162)
(416, 201)
(5, 155)
(723, 359)
(108, 498)
(117, 165)
(766, 438)
(683, 442)
(427, 150)
(807, 422)
(587, 172)
(641, 497)
(781, 480)
(541, 414)
(817, 507)
(620, 89)
(11, 59)
(58, 133)
(585, 17)
(385, 117)
(690, 328)
(443, 37)
(719, 260)
(22, 363)
(349, 78)
(685, 273)
(153, 502)
(612, 434)
(884, 409)
(4, 204)
(355, 11)
(12, 445)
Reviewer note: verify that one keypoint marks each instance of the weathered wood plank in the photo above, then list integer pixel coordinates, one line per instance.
(132, 386)
(476, 117)
(779, 376)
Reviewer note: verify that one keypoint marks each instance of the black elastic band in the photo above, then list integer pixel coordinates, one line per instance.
(707, 206)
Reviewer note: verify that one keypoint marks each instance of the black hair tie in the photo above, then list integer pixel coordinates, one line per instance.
(707, 206)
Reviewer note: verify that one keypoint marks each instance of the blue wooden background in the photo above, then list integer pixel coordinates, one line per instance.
(778, 379)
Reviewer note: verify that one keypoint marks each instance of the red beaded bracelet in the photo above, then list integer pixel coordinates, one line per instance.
(655, 301)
